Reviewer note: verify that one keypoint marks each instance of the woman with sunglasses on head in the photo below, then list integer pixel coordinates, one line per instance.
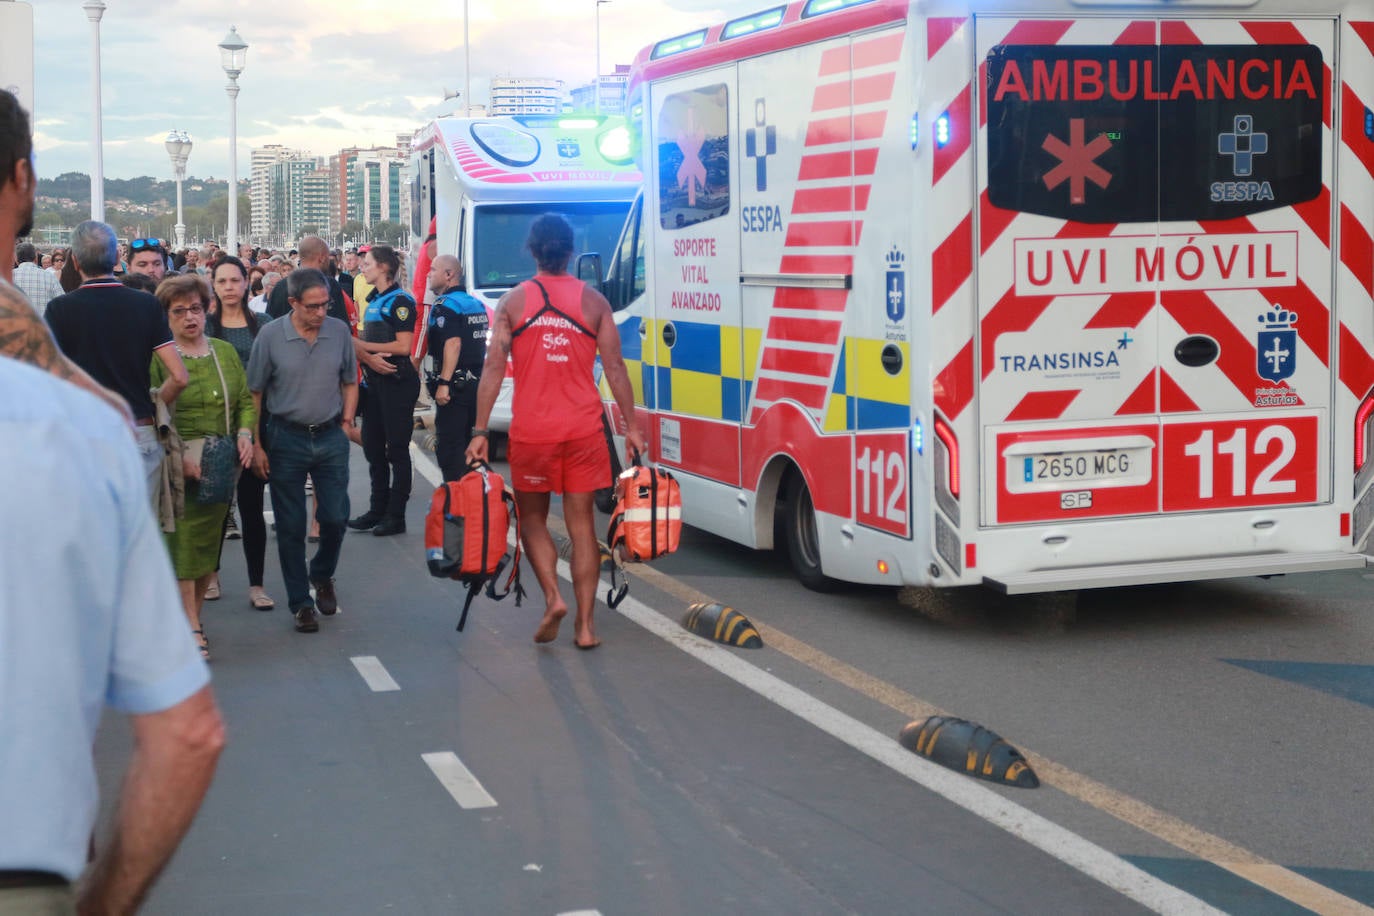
(388, 401)
(234, 323)
(216, 402)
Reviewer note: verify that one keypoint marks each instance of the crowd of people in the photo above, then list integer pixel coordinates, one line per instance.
(239, 375)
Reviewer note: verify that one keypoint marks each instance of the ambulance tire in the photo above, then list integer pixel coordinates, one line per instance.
(800, 535)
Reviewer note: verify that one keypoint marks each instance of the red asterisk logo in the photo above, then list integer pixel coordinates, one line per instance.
(1077, 162)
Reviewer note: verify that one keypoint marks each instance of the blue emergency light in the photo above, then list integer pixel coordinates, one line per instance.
(942, 130)
(915, 130)
(1368, 124)
(918, 438)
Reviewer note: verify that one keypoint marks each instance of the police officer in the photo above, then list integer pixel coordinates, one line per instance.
(389, 400)
(458, 345)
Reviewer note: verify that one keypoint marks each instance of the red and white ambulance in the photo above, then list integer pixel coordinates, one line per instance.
(1040, 295)
(485, 179)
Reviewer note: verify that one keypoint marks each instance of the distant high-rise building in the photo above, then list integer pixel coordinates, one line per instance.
(374, 186)
(260, 187)
(611, 86)
(300, 199)
(525, 95)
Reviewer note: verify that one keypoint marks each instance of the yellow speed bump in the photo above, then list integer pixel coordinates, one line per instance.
(969, 748)
(722, 624)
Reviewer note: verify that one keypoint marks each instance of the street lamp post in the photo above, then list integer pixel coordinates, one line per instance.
(179, 148)
(94, 10)
(467, 67)
(596, 83)
(233, 53)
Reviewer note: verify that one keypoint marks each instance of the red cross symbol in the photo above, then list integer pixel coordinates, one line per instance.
(1077, 162)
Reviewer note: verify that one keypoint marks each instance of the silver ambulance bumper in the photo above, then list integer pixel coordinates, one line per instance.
(1069, 578)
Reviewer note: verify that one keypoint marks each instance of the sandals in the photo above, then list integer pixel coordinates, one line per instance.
(202, 643)
(261, 602)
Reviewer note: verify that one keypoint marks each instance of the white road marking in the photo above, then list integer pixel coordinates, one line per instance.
(374, 673)
(1045, 835)
(581, 913)
(458, 780)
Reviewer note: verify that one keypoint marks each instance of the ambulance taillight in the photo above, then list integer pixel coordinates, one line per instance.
(951, 455)
(1362, 431)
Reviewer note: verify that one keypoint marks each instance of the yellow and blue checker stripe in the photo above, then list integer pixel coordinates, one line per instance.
(865, 395)
(698, 375)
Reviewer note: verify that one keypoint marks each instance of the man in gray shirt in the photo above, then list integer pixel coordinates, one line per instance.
(304, 374)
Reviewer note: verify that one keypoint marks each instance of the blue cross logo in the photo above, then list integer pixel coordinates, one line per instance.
(1243, 145)
(1125, 341)
(569, 149)
(760, 142)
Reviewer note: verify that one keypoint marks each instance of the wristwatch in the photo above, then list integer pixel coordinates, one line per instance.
(486, 434)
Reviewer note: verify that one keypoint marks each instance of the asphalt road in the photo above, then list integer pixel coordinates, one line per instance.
(1201, 743)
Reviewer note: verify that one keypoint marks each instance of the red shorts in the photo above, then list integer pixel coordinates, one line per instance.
(577, 466)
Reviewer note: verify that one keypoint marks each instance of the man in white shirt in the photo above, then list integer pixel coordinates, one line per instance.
(39, 286)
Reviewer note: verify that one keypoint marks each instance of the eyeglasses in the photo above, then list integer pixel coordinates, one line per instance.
(148, 245)
(188, 310)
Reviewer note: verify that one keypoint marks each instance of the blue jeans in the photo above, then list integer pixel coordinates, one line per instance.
(293, 453)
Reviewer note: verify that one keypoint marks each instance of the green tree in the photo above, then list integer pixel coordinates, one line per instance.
(388, 232)
(353, 231)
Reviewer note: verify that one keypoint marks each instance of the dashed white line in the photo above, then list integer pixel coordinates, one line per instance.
(458, 780)
(374, 673)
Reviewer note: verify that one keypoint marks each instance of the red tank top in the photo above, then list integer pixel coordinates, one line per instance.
(553, 352)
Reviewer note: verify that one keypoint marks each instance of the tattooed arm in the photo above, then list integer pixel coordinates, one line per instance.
(24, 336)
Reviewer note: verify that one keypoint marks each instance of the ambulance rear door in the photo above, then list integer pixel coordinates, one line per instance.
(1154, 330)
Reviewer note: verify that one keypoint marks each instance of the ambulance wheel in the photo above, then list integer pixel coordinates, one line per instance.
(800, 534)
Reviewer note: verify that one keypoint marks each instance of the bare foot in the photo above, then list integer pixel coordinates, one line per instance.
(585, 638)
(548, 627)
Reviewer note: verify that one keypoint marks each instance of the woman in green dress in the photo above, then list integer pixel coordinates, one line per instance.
(217, 380)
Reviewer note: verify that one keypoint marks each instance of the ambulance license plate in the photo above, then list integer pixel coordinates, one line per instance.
(1078, 467)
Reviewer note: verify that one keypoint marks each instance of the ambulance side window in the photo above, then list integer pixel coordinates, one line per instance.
(694, 157)
(625, 276)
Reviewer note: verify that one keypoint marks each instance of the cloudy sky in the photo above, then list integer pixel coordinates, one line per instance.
(321, 74)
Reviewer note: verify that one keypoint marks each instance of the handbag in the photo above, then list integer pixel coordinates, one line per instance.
(219, 455)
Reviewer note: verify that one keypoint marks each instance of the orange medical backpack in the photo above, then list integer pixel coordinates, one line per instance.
(646, 522)
(466, 535)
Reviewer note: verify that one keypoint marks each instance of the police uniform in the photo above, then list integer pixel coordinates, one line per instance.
(455, 314)
(388, 408)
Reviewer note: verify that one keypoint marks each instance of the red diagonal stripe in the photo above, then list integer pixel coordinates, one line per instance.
(1196, 313)
(1172, 398)
(946, 157)
(774, 389)
(1357, 366)
(951, 264)
(817, 264)
(798, 362)
(871, 89)
(817, 166)
(1314, 318)
(1011, 314)
(869, 126)
(1137, 33)
(834, 61)
(1043, 405)
(1365, 31)
(804, 330)
(1142, 400)
(1123, 310)
(1037, 32)
(1173, 32)
(811, 300)
(885, 49)
(831, 96)
(953, 389)
(940, 29)
(1357, 249)
(1316, 213)
(1278, 32)
(829, 130)
(823, 200)
(813, 235)
(993, 223)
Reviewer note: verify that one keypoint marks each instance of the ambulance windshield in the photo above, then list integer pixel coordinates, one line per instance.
(501, 258)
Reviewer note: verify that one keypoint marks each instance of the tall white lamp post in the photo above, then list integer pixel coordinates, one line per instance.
(596, 85)
(467, 66)
(233, 52)
(94, 10)
(179, 148)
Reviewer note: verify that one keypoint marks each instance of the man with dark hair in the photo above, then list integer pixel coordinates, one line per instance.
(148, 257)
(23, 335)
(39, 285)
(304, 374)
(314, 253)
(114, 332)
(557, 441)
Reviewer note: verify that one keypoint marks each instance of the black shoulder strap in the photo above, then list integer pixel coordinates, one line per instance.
(550, 307)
